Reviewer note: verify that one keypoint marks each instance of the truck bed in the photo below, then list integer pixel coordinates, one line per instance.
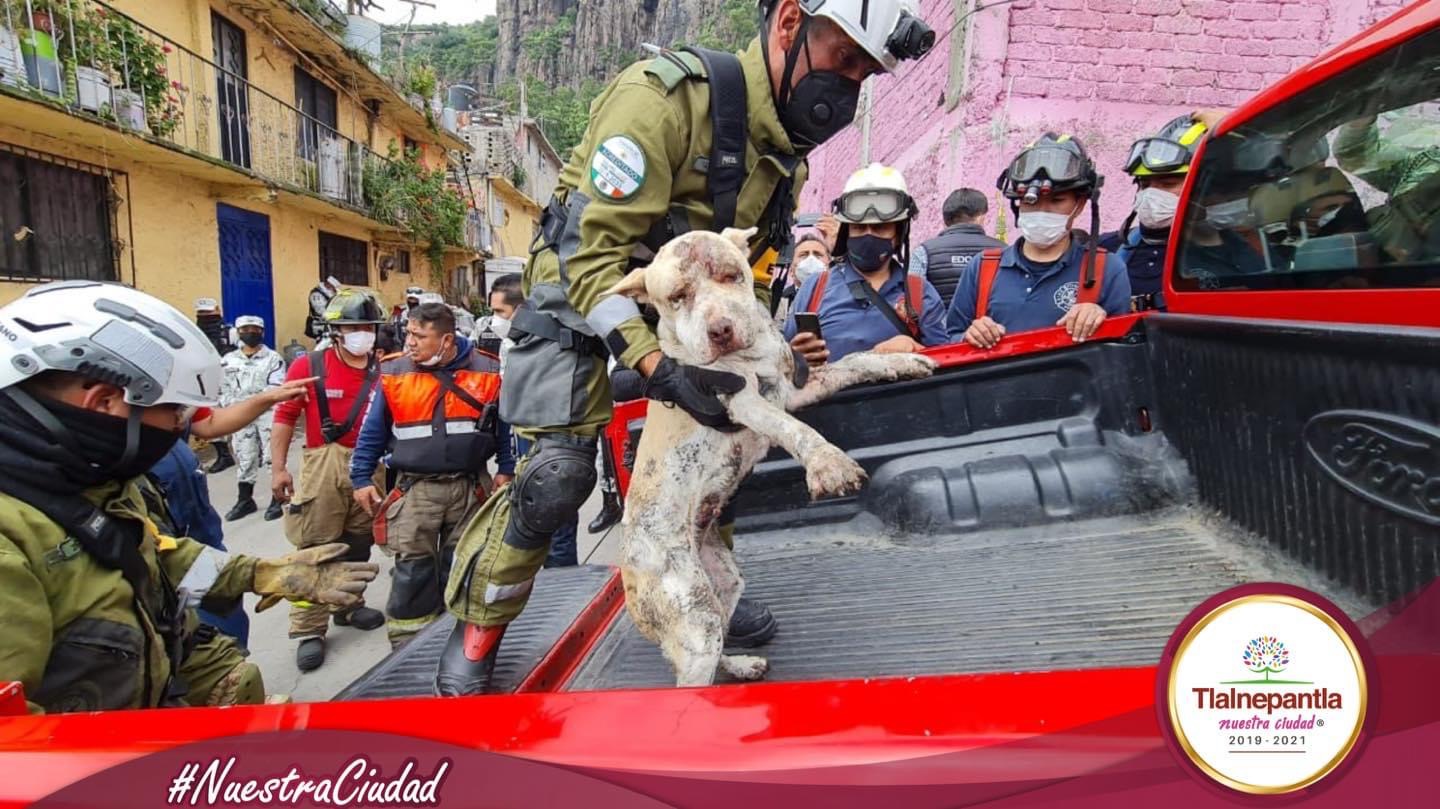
(1061, 510)
(1096, 593)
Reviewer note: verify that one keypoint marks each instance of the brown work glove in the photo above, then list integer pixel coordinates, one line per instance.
(310, 575)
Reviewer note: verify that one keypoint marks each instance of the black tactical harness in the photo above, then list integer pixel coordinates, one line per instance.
(724, 168)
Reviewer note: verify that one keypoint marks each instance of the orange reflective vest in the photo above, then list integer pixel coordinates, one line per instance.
(442, 421)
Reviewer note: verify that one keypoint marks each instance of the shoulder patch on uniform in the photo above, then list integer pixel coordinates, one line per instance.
(673, 67)
(617, 169)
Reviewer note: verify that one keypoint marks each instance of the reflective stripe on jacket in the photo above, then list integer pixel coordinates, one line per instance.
(434, 430)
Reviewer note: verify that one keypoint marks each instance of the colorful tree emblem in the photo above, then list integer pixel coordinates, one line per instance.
(1266, 655)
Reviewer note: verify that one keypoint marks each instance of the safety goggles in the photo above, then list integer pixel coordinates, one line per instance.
(1158, 155)
(872, 205)
(1058, 166)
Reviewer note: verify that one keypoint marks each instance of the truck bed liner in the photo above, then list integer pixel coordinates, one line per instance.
(560, 594)
(1102, 592)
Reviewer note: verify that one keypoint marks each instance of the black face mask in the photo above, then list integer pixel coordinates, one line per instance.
(251, 339)
(819, 105)
(869, 253)
(101, 440)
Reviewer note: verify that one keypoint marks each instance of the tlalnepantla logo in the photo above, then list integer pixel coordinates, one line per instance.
(1264, 689)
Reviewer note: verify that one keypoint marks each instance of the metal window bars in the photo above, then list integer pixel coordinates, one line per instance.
(99, 63)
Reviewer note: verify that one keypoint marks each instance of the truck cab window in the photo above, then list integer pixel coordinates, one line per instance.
(1337, 188)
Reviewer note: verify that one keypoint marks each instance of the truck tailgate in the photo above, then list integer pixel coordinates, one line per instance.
(1095, 593)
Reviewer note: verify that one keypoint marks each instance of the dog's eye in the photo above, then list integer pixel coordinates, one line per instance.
(678, 296)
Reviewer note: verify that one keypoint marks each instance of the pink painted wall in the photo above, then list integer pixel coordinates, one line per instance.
(1107, 71)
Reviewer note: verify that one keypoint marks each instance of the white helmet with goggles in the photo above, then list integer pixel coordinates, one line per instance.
(888, 30)
(876, 193)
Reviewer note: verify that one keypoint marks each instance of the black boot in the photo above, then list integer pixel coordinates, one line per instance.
(223, 459)
(245, 506)
(468, 661)
(362, 618)
(274, 511)
(310, 654)
(752, 625)
(610, 511)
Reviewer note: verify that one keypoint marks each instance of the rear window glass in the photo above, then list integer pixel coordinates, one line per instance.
(1337, 188)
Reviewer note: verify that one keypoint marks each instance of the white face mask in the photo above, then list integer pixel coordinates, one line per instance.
(500, 326)
(1042, 228)
(806, 267)
(435, 360)
(1155, 208)
(1232, 214)
(359, 342)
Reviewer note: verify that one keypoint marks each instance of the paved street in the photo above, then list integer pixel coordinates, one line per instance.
(350, 651)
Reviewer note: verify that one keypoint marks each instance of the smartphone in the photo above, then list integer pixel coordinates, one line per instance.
(808, 321)
(807, 220)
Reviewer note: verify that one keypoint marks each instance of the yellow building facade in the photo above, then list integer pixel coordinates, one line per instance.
(235, 154)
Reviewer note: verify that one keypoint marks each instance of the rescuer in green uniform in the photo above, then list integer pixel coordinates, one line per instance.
(97, 382)
(688, 140)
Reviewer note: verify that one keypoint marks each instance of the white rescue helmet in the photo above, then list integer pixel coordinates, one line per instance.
(888, 30)
(113, 334)
(876, 193)
(249, 320)
(431, 297)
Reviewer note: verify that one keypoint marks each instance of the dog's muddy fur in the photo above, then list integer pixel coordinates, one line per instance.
(681, 581)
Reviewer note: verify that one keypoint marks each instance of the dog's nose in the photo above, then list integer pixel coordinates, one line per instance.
(722, 331)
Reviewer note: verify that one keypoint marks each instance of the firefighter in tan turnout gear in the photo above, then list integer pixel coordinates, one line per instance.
(97, 383)
(688, 140)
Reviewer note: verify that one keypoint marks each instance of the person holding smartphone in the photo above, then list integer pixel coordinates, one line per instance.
(868, 301)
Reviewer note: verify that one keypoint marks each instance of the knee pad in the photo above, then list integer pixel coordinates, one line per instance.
(556, 482)
(415, 590)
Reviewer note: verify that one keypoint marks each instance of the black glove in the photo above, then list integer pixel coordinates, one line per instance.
(694, 390)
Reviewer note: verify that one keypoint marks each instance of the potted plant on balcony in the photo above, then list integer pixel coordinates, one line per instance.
(37, 44)
(12, 63)
(146, 99)
(91, 58)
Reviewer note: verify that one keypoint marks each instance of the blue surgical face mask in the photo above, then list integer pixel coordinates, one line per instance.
(870, 253)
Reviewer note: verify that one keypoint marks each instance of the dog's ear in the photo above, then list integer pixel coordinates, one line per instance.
(631, 286)
(740, 238)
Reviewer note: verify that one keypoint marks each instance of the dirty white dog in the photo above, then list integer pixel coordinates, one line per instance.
(681, 582)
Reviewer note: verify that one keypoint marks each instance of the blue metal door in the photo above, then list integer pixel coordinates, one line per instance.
(246, 286)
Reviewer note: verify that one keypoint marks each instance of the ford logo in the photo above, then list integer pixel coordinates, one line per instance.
(1391, 461)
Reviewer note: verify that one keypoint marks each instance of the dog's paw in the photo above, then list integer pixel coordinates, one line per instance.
(831, 473)
(911, 366)
(744, 667)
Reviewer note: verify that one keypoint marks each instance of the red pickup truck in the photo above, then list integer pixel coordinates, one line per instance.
(1039, 516)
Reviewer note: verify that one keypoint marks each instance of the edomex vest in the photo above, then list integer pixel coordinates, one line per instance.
(689, 140)
(443, 420)
(947, 255)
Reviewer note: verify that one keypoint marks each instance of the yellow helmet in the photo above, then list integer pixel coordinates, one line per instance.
(1169, 151)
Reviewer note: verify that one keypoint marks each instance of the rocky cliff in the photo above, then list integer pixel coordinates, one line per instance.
(564, 43)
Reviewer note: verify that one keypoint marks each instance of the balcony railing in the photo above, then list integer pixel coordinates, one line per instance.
(97, 62)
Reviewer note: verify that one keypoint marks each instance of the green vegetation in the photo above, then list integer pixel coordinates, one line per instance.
(463, 54)
(562, 112)
(404, 193)
(731, 29)
(546, 44)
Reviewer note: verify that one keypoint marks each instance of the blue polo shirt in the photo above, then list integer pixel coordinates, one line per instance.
(849, 325)
(1028, 296)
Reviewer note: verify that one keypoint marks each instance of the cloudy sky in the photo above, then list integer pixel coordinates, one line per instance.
(452, 11)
